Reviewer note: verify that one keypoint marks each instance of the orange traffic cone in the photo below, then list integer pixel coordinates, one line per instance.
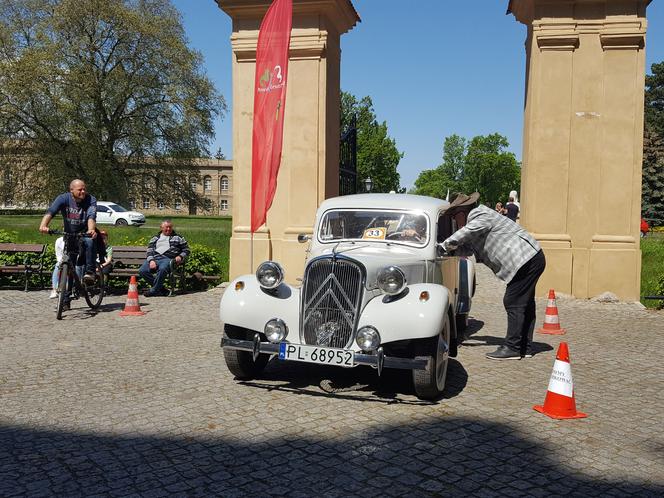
(132, 308)
(551, 319)
(559, 401)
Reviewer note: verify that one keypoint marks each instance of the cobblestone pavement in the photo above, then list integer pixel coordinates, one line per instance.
(106, 405)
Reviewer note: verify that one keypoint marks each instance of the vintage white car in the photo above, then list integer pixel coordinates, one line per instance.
(377, 290)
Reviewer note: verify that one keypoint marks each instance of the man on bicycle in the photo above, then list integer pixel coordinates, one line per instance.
(79, 212)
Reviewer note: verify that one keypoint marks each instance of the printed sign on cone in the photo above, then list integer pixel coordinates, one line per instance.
(559, 402)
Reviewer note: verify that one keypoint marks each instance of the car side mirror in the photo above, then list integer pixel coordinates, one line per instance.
(303, 237)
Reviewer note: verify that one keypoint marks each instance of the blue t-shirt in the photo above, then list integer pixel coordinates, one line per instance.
(75, 215)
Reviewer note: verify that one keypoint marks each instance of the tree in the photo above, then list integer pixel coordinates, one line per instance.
(377, 153)
(103, 90)
(433, 183)
(652, 199)
(480, 165)
(489, 169)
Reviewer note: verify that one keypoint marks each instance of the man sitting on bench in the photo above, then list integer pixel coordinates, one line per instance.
(165, 249)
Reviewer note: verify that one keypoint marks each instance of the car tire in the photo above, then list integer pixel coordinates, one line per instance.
(121, 222)
(241, 363)
(430, 383)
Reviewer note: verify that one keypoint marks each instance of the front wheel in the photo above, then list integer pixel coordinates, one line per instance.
(95, 293)
(63, 290)
(121, 222)
(241, 363)
(430, 383)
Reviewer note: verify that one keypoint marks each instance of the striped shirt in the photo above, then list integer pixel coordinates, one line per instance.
(496, 241)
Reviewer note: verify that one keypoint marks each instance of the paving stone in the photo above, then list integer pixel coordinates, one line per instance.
(98, 404)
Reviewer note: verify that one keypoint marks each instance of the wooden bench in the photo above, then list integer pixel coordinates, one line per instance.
(128, 259)
(31, 251)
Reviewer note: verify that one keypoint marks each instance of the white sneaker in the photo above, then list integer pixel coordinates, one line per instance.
(53, 294)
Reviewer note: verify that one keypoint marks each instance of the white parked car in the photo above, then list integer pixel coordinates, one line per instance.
(110, 213)
(377, 290)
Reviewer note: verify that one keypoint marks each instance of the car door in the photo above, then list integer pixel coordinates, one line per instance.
(103, 215)
(448, 266)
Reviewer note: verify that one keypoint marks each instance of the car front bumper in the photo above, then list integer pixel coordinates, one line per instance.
(377, 361)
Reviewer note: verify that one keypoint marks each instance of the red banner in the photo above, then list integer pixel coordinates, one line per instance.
(269, 104)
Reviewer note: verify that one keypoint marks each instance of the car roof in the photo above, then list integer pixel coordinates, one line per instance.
(430, 205)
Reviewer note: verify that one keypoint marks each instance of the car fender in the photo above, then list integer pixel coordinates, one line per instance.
(252, 306)
(408, 316)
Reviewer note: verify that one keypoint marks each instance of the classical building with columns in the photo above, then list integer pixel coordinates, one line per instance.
(212, 179)
(583, 136)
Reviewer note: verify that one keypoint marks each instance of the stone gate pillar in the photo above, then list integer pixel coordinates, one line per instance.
(309, 171)
(583, 141)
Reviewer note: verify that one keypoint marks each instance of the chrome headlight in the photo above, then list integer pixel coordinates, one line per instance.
(391, 280)
(269, 275)
(275, 330)
(368, 338)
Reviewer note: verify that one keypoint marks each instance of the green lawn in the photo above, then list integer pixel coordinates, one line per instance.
(652, 267)
(213, 232)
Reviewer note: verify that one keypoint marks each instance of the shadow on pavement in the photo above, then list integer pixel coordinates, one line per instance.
(318, 380)
(448, 456)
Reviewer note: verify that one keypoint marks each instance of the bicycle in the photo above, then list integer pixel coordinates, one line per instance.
(69, 281)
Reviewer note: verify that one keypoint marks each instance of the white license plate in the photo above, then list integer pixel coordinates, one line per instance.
(316, 354)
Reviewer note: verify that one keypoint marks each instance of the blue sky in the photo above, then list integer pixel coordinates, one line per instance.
(436, 69)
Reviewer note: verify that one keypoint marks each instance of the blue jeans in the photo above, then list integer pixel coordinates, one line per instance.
(89, 251)
(163, 269)
(56, 276)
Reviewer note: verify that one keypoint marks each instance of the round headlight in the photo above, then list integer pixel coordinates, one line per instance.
(391, 280)
(269, 274)
(368, 338)
(275, 330)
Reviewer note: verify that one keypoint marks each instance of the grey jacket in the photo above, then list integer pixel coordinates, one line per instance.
(178, 246)
(496, 241)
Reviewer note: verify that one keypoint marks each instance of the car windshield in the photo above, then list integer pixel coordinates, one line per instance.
(116, 208)
(376, 225)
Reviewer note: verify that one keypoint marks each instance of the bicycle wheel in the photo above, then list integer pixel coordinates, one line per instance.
(63, 280)
(95, 293)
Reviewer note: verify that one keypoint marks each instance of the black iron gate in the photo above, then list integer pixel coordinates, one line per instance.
(348, 160)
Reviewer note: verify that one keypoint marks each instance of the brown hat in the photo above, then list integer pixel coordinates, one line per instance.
(462, 201)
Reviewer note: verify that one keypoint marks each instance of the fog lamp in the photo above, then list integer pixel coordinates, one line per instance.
(368, 338)
(275, 330)
(269, 274)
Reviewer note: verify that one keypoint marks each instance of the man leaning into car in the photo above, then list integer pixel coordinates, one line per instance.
(164, 249)
(516, 258)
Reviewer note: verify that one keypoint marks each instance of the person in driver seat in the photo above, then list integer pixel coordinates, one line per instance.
(414, 229)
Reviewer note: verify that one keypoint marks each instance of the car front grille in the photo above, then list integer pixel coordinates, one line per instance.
(331, 299)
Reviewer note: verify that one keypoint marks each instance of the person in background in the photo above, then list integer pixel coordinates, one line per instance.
(511, 210)
(499, 208)
(164, 249)
(517, 259)
(104, 253)
(514, 196)
(644, 228)
(59, 250)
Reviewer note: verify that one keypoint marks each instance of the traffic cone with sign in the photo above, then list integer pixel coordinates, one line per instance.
(559, 401)
(551, 319)
(132, 308)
